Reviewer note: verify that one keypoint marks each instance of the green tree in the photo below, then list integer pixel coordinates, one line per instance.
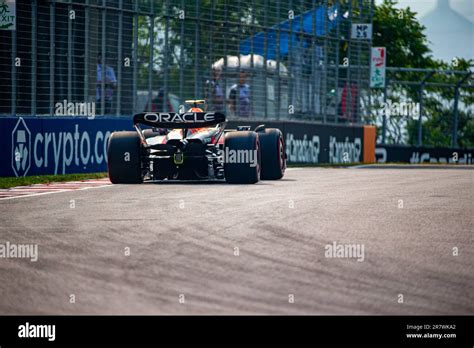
(407, 46)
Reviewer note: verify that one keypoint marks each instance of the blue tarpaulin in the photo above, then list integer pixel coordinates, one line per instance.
(302, 23)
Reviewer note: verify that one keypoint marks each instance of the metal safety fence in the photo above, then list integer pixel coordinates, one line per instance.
(291, 59)
(425, 107)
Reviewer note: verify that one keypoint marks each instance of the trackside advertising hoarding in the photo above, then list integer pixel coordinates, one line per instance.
(63, 145)
(39, 146)
(307, 142)
(423, 155)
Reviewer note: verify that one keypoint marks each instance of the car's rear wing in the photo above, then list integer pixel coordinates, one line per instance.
(175, 120)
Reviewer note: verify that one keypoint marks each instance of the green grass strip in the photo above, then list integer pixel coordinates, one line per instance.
(8, 182)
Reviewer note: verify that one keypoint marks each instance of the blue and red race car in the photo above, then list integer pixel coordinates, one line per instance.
(194, 146)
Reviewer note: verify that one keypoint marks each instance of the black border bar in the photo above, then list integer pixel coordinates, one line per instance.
(259, 330)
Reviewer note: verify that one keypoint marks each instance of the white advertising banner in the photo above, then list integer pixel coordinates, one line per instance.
(7, 15)
(377, 67)
(361, 31)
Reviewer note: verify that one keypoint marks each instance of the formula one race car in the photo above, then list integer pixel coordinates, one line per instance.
(192, 146)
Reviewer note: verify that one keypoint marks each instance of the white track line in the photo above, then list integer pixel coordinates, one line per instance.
(290, 169)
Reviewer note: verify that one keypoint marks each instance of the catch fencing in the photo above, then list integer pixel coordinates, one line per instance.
(292, 59)
(425, 107)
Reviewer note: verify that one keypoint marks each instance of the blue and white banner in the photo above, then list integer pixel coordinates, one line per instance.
(64, 145)
(39, 146)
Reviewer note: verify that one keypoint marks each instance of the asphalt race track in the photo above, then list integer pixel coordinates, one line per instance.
(182, 239)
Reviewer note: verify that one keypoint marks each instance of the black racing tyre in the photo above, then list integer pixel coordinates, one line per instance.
(241, 167)
(273, 154)
(124, 160)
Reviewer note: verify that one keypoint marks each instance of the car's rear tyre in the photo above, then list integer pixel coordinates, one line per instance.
(124, 158)
(243, 172)
(273, 154)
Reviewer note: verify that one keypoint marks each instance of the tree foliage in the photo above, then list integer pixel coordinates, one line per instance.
(407, 46)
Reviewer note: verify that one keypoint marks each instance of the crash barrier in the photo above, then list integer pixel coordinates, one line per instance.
(414, 155)
(61, 145)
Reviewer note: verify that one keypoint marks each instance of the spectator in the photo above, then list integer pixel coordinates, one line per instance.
(239, 97)
(157, 104)
(110, 85)
(349, 113)
(214, 94)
